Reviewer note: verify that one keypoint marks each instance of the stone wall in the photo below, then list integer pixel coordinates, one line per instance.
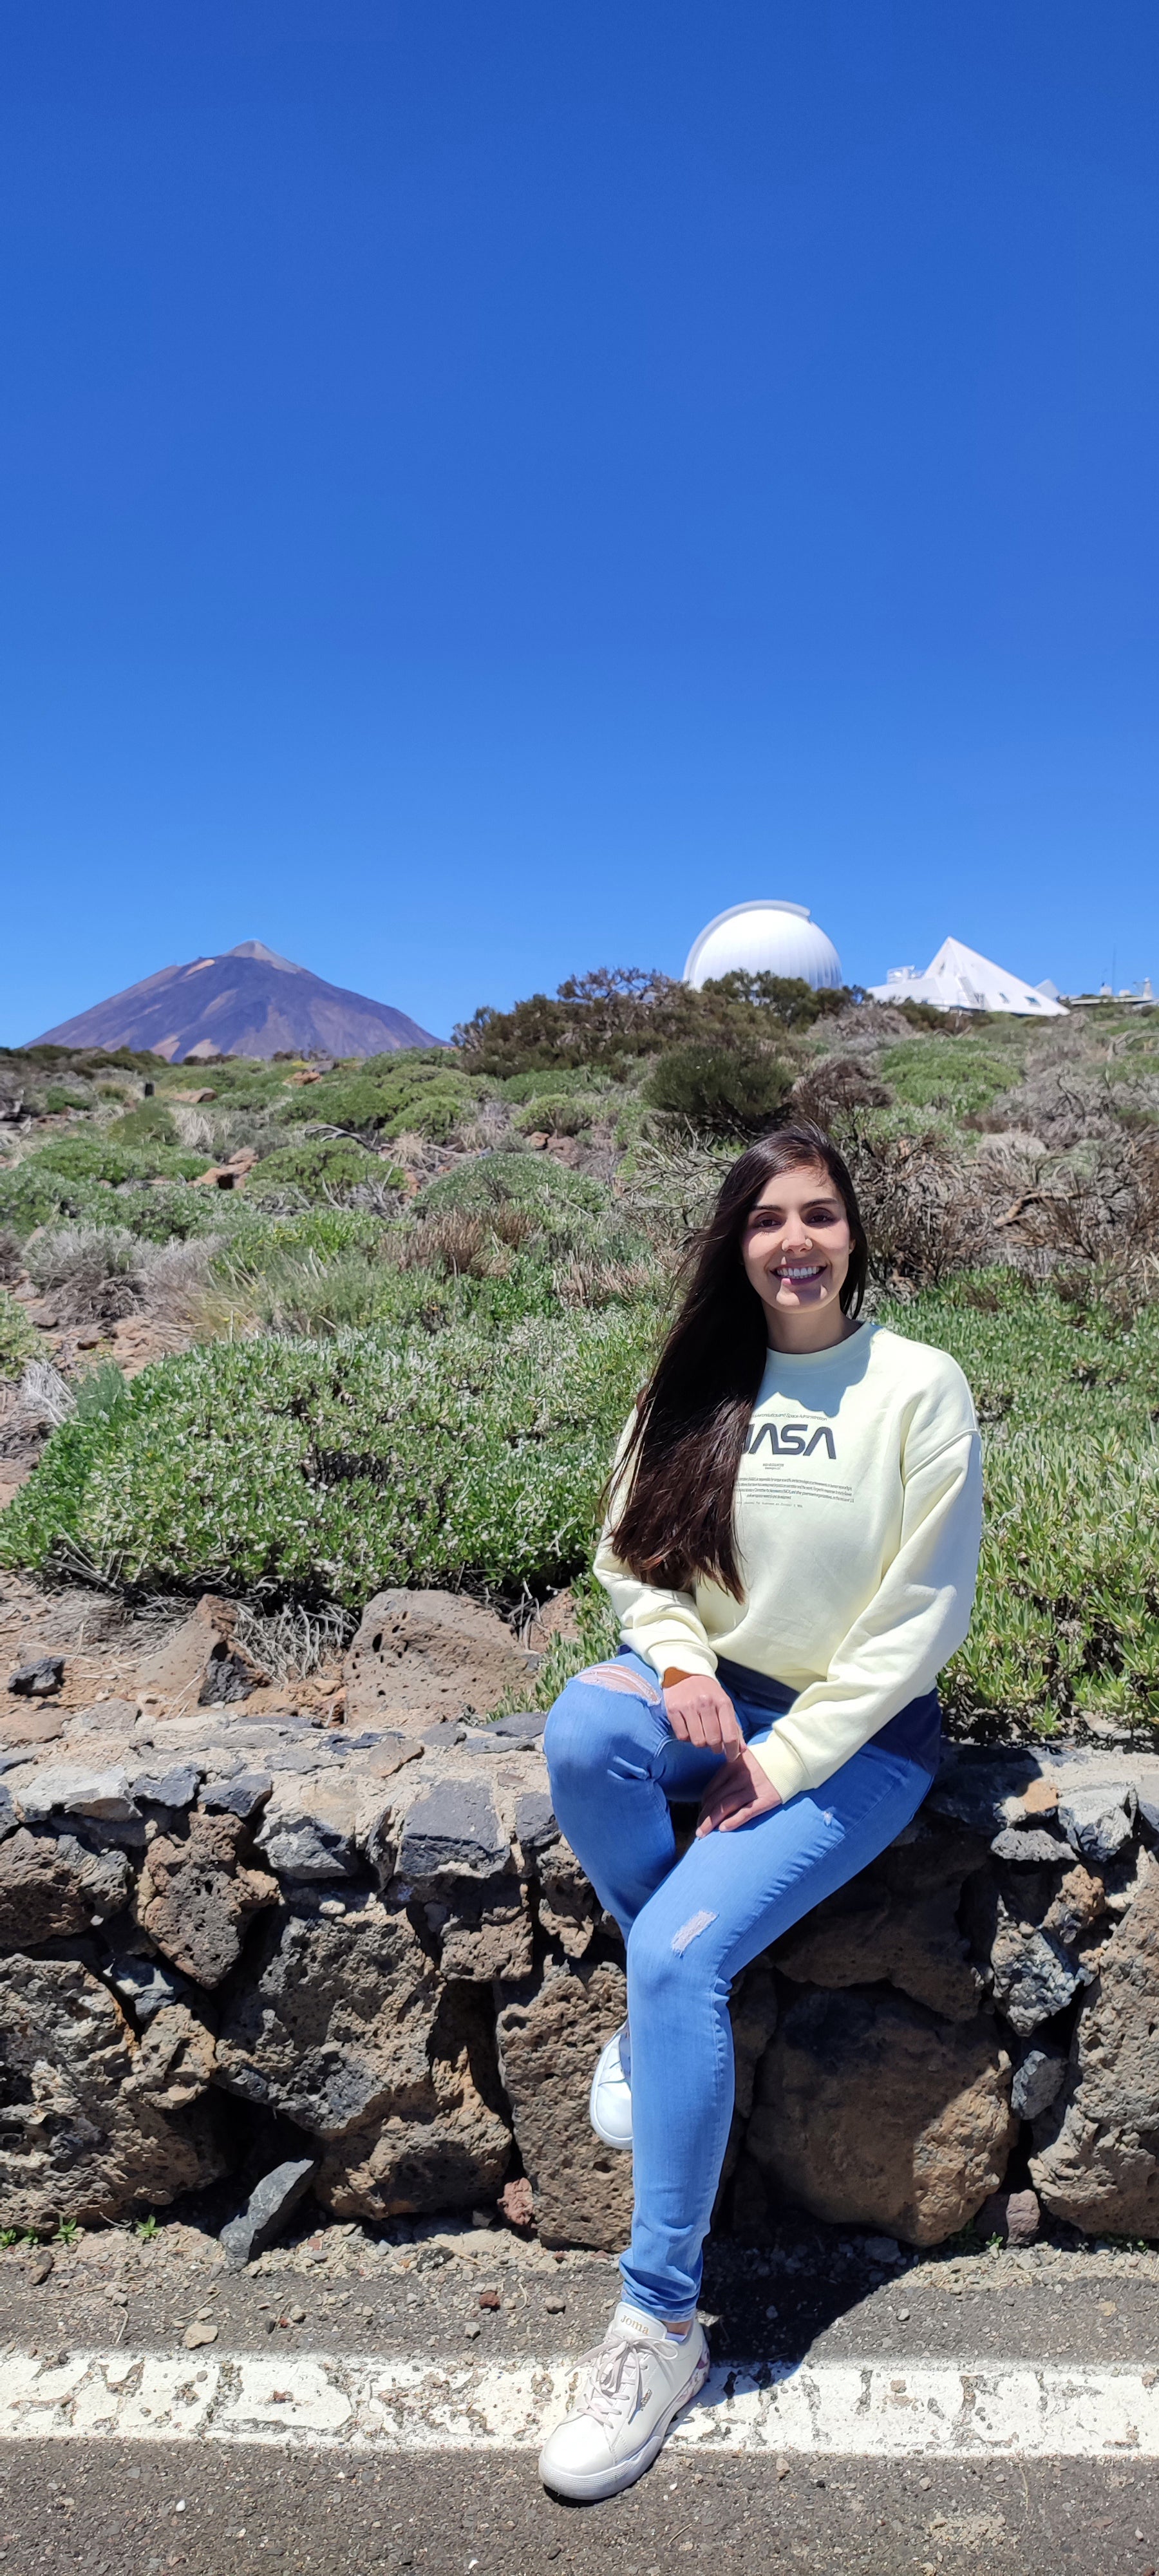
(224, 1922)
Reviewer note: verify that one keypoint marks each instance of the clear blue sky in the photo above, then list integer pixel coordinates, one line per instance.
(487, 486)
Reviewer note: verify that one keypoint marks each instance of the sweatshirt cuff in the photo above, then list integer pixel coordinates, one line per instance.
(782, 1766)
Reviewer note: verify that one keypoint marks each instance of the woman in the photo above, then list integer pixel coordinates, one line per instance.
(792, 1548)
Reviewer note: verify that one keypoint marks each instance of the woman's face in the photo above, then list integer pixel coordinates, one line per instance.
(795, 1248)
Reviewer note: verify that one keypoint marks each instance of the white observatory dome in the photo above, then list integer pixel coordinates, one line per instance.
(764, 939)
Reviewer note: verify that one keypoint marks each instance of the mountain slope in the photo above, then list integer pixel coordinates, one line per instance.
(248, 1002)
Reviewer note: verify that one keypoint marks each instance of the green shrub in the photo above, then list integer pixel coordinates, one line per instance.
(19, 1340)
(61, 1097)
(1067, 1616)
(304, 1295)
(151, 1124)
(32, 1194)
(434, 1113)
(102, 1393)
(564, 1082)
(552, 1113)
(326, 1469)
(173, 1213)
(392, 1095)
(960, 1074)
(525, 1180)
(324, 1167)
(730, 1088)
(326, 1232)
(96, 1156)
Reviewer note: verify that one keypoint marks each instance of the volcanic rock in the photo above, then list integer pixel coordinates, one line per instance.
(270, 2205)
(1097, 2160)
(92, 2123)
(420, 1656)
(548, 2046)
(873, 2112)
(196, 1895)
(52, 1887)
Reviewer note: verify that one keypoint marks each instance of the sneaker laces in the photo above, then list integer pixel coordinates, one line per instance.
(616, 2380)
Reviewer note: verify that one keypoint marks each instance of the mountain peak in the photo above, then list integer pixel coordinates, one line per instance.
(265, 956)
(244, 1001)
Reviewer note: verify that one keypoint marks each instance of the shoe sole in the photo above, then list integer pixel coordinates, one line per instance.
(610, 2482)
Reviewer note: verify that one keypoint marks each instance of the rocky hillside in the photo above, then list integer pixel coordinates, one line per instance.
(249, 1003)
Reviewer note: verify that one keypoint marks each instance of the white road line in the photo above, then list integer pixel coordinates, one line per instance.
(318, 2401)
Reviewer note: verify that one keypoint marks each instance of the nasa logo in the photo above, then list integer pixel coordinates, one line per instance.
(790, 1440)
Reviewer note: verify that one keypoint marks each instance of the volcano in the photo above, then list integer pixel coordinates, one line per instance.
(248, 1001)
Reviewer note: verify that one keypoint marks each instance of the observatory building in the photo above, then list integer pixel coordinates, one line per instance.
(766, 938)
(958, 979)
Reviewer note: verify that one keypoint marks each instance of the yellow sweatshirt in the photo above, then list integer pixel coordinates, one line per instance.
(858, 1520)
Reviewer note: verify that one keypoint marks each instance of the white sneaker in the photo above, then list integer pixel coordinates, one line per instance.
(610, 2103)
(638, 2380)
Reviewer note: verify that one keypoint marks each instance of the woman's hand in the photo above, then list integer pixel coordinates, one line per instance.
(700, 1712)
(739, 1793)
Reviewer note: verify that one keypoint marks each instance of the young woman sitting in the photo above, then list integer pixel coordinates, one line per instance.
(791, 1547)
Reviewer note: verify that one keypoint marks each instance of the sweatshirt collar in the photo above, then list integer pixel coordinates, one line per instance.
(814, 1363)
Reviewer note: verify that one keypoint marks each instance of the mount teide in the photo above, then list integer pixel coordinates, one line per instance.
(246, 1002)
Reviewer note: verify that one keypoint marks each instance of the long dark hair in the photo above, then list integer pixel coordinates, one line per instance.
(679, 1470)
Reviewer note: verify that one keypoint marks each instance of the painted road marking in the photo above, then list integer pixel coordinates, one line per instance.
(320, 2401)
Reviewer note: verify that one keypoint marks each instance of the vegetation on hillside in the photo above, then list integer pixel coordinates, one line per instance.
(397, 1344)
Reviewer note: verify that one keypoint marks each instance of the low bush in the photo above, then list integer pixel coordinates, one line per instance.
(151, 1124)
(321, 1168)
(420, 1094)
(61, 1097)
(563, 1081)
(172, 1213)
(556, 1113)
(530, 1181)
(32, 1193)
(960, 1074)
(326, 1232)
(102, 1394)
(19, 1340)
(733, 1089)
(95, 1156)
(91, 1270)
(322, 1470)
(928, 1210)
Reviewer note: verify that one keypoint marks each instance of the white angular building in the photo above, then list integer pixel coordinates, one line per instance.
(958, 979)
(764, 938)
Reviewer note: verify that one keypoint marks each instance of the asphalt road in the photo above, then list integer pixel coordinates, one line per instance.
(140, 2510)
(116, 2508)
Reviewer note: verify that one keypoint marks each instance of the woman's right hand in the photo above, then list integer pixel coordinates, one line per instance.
(700, 1712)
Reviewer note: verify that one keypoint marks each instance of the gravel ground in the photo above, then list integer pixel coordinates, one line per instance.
(416, 2288)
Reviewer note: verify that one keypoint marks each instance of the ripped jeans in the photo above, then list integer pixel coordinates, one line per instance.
(692, 1924)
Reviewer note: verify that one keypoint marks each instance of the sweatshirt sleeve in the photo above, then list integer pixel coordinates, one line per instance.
(895, 1650)
(663, 1627)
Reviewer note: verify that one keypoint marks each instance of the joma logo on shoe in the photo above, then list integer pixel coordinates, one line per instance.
(789, 1440)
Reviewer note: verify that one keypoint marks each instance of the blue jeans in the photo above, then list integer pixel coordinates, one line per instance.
(691, 1925)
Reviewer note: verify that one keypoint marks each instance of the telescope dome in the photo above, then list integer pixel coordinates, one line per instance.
(766, 938)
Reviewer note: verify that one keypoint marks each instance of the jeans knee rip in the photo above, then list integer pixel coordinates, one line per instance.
(688, 1931)
(616, 1677)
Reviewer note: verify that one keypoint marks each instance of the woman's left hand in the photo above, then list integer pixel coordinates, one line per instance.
(738, 1794)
